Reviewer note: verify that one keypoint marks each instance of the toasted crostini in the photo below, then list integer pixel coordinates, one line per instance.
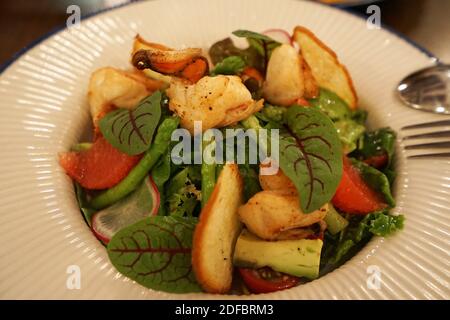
(216, 233)
(325, 66)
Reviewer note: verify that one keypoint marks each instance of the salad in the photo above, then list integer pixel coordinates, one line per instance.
(237, 170)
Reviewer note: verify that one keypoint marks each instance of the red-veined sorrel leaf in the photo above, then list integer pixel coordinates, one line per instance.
(263, 44)
(156, 252)
(131, 131)
(311, 156)
(253, 35)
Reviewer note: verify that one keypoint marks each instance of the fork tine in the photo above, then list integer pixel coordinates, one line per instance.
(440, 145)
(438, 134)
(427, 125)
(431, 155)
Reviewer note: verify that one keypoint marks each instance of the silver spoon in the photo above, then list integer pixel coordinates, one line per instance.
(427, 89)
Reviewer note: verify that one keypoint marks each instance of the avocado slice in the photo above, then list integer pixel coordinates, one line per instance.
(299, 258)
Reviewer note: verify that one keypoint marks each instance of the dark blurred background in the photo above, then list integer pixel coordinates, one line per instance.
(23, 21)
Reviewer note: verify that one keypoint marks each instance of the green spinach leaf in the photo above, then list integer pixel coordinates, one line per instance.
(378, 142)
(156, 253)
(311, 156)
(349, 132)
(339, 248)
(329, 103)
(348, 123)
(131, 131)
(377, 180)
(229, 66)
(390, 174)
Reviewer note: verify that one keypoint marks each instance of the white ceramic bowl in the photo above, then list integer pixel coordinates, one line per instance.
(43, 111)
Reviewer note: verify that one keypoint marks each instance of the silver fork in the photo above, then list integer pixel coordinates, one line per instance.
(443, 146)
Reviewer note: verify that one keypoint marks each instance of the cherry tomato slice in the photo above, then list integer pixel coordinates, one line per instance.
(266, 280)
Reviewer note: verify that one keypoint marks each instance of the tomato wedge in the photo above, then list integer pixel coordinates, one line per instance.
(266, 280)
(353, 195)
(100, 167)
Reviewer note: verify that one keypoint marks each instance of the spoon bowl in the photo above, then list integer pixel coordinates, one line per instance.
(427, 89)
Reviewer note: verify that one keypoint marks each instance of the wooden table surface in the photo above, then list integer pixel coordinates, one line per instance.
(427, 22)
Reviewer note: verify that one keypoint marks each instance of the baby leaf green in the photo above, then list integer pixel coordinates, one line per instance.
(376, 180)
(253, 35)
(263, 44)
(131, 131)
(229, 65)
(156, 253)
(311, 156)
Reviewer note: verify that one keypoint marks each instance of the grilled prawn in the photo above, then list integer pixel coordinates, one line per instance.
(269, 213)
(215, 101)
(112, 88)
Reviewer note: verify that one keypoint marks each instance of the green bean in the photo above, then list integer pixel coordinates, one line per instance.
(208, 172)
(138, 173)
(250, 177)
(251, 122)
(160, 174)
